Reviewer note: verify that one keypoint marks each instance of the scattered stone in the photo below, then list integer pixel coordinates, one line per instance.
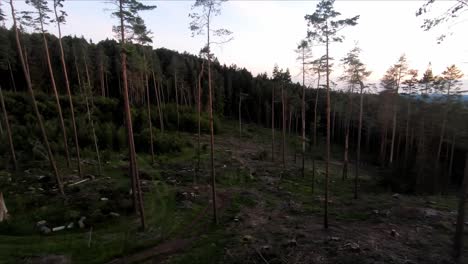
(81, 223)
(186, 204)
(44, 230)
(290, 243)
(41, 223)
(394, 233)
(334, 238)
(50, 259)
(104, 199)
(375, 212)
(113, 214)
(396, 196)
(428, 212)
(354, 247)
(58, 228)
(70, 225)
(90, 176)
(247, 238)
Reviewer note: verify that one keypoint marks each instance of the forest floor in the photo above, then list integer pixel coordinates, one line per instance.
(267, 213)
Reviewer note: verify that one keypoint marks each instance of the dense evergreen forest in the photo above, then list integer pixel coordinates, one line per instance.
(75, 111)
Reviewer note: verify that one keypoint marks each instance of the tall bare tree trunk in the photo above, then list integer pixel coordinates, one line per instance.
(392, 144)
(199, 105)
(57, 99)
(34, 103)
(452, 152)
(85, 90)
(303, 117)
(12, 78)
(176, 99)
(347, 131)
(283, 106)
(458, 239)
(358, 152)
(315, 110)
(327, 159)
(210, 99)
(128, 122)
(8, 130)
(70, 100)
(150, 125)
(158, 103)
(273, 124)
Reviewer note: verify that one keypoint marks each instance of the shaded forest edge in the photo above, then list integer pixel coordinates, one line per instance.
(426, 149)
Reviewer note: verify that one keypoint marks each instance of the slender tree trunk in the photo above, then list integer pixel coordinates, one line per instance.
(8, 130)
(199, 105)
(283, 106)
(358, 152)
(392, 144)
(89, 97)
(273, 124)
(333, 123)
(452, 152)
(327, 159)
(150, 125)
(458, 239)
(347, 131)
(407, 134)
(13, 83)
(315, 111)
(128, 122)
(176, 99)
(34, 103)
(70, 100)
(158, 103)
(240, 117)
(303, 118)
(210, 99)
(57, 99)
(77, 71)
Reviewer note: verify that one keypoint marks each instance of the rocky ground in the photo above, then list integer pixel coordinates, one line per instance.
(268, 213)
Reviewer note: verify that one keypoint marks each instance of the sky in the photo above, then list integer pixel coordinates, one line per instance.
(267, 32)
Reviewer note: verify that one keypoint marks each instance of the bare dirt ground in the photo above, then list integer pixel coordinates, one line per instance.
(284, 223)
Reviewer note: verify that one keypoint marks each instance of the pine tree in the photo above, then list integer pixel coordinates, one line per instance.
(127, 13)
(323, 28)
(60, 19)
(34, 102)
(203, 22)
(38, 19)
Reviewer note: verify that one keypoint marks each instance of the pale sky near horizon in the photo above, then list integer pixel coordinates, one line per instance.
(267, 32)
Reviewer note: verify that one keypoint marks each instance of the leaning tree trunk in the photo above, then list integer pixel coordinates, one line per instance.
(177, 100)
(88, 89)
(452, 152)
(315, 111)
(458, 240)
(12, 78)
(57, 100)
(358, 152)
(210, 101)
(150, 125)
(199, 103)
(70, 101)
(303, 129)
(128, 123)
(273, 124)
(158, 103)
(347, 130)
(34, 103)
(8, 130)
(283, 106)
(327, 159)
